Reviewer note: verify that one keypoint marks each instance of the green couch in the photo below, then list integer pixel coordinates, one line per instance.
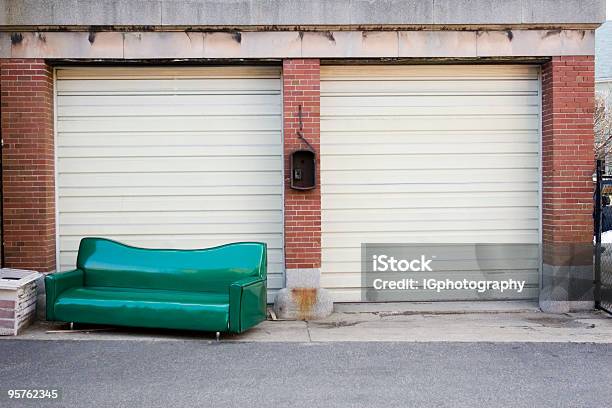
(221, 289)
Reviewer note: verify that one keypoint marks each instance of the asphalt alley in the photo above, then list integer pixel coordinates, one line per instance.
(332, 374)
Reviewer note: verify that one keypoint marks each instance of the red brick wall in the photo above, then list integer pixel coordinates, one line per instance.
(567, 149)
(301, 86)
(26, 99)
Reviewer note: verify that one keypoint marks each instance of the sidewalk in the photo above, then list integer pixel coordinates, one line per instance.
(418, 322)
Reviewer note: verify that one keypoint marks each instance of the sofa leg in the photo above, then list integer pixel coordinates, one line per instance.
(218, 335)
(71, 325)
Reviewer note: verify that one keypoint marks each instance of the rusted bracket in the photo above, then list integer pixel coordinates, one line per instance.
(300, 134)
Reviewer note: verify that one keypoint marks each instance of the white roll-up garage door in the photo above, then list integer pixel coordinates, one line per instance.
(428, 154)
(170, 158)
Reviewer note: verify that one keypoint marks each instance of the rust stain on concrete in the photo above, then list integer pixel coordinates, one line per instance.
(305, 299)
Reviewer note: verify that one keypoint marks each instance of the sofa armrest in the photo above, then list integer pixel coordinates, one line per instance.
(58, 282)
(247, 303)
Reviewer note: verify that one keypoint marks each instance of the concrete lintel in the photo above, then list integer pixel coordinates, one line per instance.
(292, 44)
(65, 45)
(350, 44)
(535, 43)
(284, 44)
(163, 45)
(5, 45)
(430, 44)
(212, 45)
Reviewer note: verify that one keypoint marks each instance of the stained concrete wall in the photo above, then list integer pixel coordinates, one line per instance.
(272, 13)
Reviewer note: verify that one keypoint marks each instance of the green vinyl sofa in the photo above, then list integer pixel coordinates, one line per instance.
(220, 289)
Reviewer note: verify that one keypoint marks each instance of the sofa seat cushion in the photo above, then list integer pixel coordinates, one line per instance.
(144, 308)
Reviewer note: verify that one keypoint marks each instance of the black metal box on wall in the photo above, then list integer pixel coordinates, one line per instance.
(303, 164)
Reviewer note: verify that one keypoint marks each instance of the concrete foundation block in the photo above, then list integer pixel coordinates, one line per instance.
(303, 304)
(560, 306)
(554, 306)
(303, 278)
(581, 306)
(566, 288)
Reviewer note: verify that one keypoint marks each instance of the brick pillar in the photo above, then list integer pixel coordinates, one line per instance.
(302, 208)
(28, 164)
(567, 169)
(302, 298)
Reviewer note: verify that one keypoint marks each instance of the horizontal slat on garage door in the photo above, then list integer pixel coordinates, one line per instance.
(150, 73)
(428, 154)
(170, 158)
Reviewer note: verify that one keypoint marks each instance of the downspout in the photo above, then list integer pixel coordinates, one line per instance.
(1, 196)
(2, 240)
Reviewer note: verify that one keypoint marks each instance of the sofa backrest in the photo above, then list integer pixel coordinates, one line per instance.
(112, 264)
